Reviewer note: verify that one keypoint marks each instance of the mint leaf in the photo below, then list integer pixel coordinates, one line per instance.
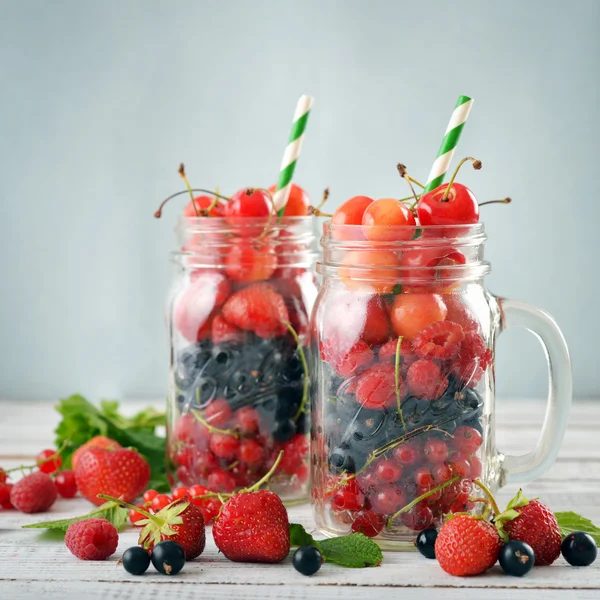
(300, 537)
(109, 510)
(568, 522)
(355, 550)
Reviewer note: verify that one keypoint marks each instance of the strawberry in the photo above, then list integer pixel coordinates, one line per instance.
(181, 522)
(536, 525)
(467, 545)
(259, 308)
(99, 441)
(122, 473)
(253, 527)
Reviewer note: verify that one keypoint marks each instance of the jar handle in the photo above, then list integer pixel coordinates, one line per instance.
(527, 467)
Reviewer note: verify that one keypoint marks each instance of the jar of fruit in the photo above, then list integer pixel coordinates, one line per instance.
(403, 334)
(238, 318)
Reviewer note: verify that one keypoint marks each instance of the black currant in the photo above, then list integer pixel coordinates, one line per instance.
(136, 560)
(516, 558)
(307, 560)
(168, 557)
(579, 549)
(425, 542)
(284, 430)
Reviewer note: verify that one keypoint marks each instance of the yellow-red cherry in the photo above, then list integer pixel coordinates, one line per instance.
(202, 203)
(298, 203)
(459, 207)
(387, 219)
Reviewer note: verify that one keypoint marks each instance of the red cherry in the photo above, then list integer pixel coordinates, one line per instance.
(426, 265)
(202, 203)
(386, 220)
(65, 483)
(159, 502)
(460, 208)
(48, 461)
(298, 202)
(368, 523)
(244, 205)
(246, 261)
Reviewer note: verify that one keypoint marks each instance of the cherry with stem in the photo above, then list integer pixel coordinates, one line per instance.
(476, 165)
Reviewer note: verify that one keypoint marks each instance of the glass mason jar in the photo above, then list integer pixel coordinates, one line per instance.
(238, 317)
(404, 333)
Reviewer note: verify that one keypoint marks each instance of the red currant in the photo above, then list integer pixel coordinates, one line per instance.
(7, 504)
(65, 483)
(368, 523)
(388, 220)
(209, 506)
(224, 445)
(436, 451)
(4, 493)
(135, 516)
(3, 475)
(149, 495)
(419, 517)
(367, 482)
(180, 493)
(441, 473)
(48, 461)
(247, 419)
(221, 481)
(205, 463)
(423, 476)
(407, 454)
(217, 413)
(388, 500)
(460, 207)
(475, 467)
(467, 440)
(387, 470)
(433, 498)
(348, 496)
(250, 452)
(159, 502)
(460, 466)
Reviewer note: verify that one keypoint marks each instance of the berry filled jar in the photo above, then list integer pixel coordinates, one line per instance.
(238, 321)
(403, 336)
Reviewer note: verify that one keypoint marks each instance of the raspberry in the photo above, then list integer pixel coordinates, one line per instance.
(425, 380)
(472, 360)
(348, 363)
(92, 539)
(34, 493)
(387, 353)
(376, 387)
(441, 339)
(222, 331)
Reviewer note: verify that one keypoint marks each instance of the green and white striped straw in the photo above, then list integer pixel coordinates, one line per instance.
(449, 143)
(291, 154)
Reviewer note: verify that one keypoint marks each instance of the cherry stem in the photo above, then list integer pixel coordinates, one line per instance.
(397, 380)
(183, 176)
(158, 213)
(323, 199)
(404, 174)
(503, 201)
(319, 213)
(304, 367)
(416, 501)
(476, 166)
(489, 494)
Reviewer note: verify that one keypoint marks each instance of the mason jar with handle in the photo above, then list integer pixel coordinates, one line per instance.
(403, 417)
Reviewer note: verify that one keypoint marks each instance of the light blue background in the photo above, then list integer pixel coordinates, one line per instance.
(100, 101)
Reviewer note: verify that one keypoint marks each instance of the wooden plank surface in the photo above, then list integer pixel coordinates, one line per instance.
(34, 564)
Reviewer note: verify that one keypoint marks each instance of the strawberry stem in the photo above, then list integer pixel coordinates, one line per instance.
(489, 494)
(304, 367)
(397, 380)
(476, 166)
(416, 501)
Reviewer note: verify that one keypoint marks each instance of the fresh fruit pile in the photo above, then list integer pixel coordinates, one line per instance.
(400, 403)
(527, 533)
(239, 329)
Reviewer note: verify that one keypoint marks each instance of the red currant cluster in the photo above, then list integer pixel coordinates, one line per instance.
(239, 324)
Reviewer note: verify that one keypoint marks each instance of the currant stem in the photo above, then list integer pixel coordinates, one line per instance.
(130, 506)
(476, 166)
(211, 428)
(267, 476)
(404, 174)
(304, 367)
(503, 201)
(397, 380)
(42, 462)
(158, 213)
(489, 494)
(416, 501)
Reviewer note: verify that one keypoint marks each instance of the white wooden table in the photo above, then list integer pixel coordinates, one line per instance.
(38, 565)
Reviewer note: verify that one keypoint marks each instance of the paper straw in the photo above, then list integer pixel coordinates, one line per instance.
(291, 154)
(449, 143)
